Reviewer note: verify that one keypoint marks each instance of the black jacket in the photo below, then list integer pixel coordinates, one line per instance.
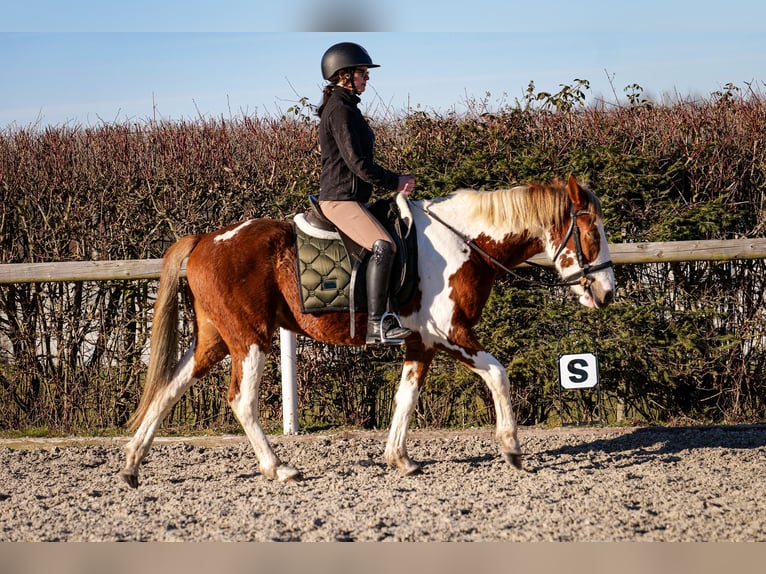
(349, 171)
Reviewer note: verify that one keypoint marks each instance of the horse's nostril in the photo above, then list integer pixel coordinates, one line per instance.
(608, 297)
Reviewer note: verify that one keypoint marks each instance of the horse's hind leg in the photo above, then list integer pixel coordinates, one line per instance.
(207, 350)
(139, 446)
(243, 398)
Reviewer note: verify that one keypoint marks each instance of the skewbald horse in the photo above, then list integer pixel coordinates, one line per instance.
(243, 286)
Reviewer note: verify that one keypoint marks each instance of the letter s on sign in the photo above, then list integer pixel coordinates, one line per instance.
(578, 371)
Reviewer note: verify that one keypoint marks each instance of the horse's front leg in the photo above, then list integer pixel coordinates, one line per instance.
(416, 364)
(243, 398)
(496, 377)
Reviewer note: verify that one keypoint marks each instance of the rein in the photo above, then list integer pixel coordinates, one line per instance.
(580, 277)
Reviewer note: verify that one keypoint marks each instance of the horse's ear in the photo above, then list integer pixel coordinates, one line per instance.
(574, 190)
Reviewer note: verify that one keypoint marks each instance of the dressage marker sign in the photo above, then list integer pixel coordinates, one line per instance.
(579, 371)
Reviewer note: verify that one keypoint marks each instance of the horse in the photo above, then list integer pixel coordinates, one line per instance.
(243, 285)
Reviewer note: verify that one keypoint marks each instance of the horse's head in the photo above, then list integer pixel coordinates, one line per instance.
(579, 249)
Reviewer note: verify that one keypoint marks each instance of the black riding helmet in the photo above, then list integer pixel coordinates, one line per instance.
(344, 55)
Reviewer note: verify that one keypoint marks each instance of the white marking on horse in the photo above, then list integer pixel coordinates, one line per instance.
(231, 233)
(441, 254)
(245, 406)
(139, 445)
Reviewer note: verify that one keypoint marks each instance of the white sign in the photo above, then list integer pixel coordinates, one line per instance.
(578, 371)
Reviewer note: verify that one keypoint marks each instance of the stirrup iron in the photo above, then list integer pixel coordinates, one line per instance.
(392, 340)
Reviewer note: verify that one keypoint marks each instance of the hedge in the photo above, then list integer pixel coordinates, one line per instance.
(683, 342)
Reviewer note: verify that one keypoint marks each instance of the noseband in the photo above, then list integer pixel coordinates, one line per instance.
(582, 276)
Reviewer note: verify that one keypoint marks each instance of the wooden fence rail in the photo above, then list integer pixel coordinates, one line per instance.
(622, 253)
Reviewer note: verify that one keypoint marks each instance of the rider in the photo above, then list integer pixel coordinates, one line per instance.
(349, 172)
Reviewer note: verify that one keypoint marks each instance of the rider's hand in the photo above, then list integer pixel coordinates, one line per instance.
(406, 184)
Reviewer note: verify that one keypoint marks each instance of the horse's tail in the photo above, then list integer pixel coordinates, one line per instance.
(163, 350)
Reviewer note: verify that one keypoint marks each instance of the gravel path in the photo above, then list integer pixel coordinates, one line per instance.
(578, 484)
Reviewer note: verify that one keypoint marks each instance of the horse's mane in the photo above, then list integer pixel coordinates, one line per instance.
(526, 205)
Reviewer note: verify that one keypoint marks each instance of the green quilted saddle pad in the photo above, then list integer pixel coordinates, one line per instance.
(324, 273)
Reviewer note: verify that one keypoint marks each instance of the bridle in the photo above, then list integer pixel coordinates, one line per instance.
(581, 277)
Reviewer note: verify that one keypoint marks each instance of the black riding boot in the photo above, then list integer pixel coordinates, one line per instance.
(382, 326)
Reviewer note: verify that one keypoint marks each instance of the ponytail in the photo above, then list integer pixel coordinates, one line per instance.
(332, 84)
(325, 96)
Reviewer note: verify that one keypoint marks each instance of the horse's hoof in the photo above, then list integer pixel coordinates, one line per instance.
(514, 459)
(289, 474)
(411, 469)
(131, 479)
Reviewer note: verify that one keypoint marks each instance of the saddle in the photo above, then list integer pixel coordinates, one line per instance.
(329, 263)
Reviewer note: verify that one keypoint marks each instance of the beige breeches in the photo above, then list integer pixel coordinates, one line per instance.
(353, 219)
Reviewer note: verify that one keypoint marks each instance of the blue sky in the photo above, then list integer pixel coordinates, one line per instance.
(87, 62)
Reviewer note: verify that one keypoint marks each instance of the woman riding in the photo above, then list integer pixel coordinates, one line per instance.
(349, 173)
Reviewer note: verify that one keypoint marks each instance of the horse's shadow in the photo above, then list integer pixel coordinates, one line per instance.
(632, 448)
(666, 443)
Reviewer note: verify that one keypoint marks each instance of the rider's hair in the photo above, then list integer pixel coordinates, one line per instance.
(330, 87)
